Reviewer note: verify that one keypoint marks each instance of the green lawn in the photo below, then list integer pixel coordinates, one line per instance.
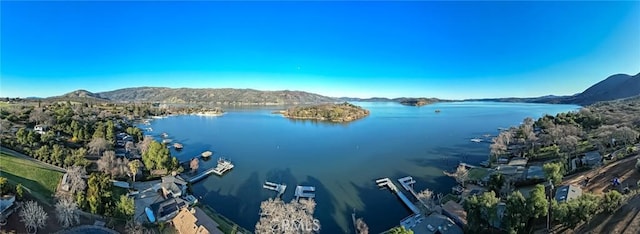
(40, 180)
(477, 173)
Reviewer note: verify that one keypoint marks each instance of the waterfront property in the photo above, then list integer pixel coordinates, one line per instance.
(305, 192)
(173, 186)
(195, 221)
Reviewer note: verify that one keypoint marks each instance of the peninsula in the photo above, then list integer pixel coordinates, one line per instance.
(343, 112)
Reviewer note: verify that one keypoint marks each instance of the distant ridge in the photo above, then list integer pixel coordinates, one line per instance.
(614, 87)
(204, 96)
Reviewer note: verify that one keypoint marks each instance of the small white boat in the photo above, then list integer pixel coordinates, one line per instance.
(177, 145)
(166, 141)
(476, 140)
(164, 135)
(206, 154)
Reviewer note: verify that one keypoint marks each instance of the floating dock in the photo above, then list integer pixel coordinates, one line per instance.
(305, 192)
(280, 188)
(386, 182)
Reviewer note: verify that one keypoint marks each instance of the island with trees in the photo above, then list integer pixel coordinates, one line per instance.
(417, 101)
(343, 112)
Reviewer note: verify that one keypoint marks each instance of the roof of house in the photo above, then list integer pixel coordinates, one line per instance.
(592, 157)
(185, 222)
(455, 209)
(173, 179)
(166, 207)
(437, 223)
(517, 161)
(6, 202)
(567, 192)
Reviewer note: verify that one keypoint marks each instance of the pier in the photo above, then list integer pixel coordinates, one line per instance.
(280, 188)
(223, 167)
(468, 165)
(386, 182)
(407, 183)
(305, 192)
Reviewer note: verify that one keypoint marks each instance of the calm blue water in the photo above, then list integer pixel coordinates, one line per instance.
(340, 160)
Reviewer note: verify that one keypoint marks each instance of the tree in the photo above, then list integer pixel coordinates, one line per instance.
(99, 190)
(537, 204)
(400, 230)
(274, 212)
(426, 198)
(67, 212)
(125, 207)
(361, 226)
(157, 157)
(611, 201)
(107, 163)
(143, 146)
(461, 174)
(626, 135)
(553, 172)
(194, 164)
(76, 175)
(5, 187)
(33, 216)
(97, 146)
(110, 132)
(19, 191)
(496, 181)
(134, 168)
(481, 211)
(515, 217)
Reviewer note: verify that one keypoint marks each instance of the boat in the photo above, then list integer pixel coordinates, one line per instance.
(166, 141)
(437, 110)
(487, 135)
(164, 135)
(177, 146)
(476, 140)
(206, 154)
(223, 166)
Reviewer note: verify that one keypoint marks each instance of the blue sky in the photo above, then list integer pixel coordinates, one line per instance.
(358, 49)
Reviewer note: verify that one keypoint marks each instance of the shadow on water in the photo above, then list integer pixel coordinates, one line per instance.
(241, 207)
(324, 202)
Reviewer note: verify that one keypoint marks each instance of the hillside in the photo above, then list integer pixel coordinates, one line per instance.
(212, 96)
(416, 101)
(344, 112)
(614, 87)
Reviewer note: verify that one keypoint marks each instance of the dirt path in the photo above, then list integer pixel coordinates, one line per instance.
(600, 179)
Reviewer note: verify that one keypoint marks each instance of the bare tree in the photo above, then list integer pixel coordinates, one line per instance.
(67, 212)
(298, 214)
(361, 226)
(130, 146)
(626, 135)
(133, 227)
(109, 164)
(76, 175)
(194, 164)
(426, 197)
(461, 174)
(38, 115)
(143, 146)
(97, 146)
(33, 216)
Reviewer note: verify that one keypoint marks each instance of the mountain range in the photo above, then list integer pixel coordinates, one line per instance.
(614, 87)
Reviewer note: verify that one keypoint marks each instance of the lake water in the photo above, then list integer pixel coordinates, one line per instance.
(340, 160)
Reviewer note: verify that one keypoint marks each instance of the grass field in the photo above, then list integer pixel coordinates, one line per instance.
(40, 180)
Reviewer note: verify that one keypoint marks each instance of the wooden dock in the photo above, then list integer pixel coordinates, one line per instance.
(280, 188)
(386, 182)
(223, 167)
(407, 183)
(305, 192)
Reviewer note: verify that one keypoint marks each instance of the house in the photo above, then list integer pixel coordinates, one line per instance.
(592, 158)
(167, 209)
(518, 161)
(6, 206)
(121, 184)
(567, 192)
(456, 212)
(41, 129)
(195, 221)
(173, 186)
(500, 210)
(534, 173)
(437, 223)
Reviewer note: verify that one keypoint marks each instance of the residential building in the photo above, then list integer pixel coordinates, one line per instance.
(195, 221)
(567, 192)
